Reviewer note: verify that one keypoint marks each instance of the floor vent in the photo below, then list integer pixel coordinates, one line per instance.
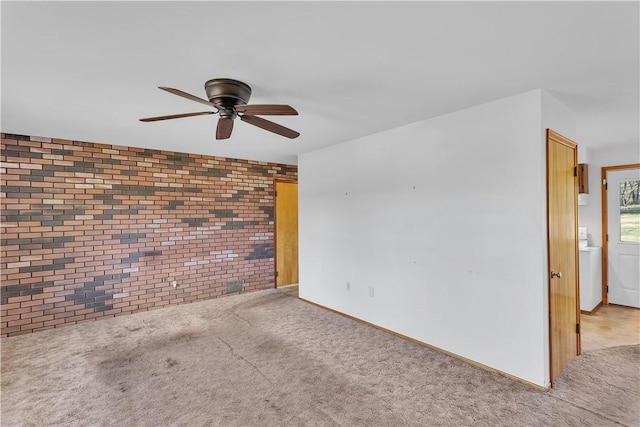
(235, 286)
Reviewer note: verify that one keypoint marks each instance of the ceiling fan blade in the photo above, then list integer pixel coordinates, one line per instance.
(175, 116)
(186, 95)
(267, 110)
(270, 126)
(224, 128)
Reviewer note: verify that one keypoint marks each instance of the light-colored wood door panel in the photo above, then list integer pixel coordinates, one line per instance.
(286, 235)
(562, 194)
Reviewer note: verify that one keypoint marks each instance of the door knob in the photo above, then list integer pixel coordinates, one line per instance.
(556, 274)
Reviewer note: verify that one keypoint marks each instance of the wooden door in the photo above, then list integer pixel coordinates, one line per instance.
(562, 222)
(622, 235)
(286, 235)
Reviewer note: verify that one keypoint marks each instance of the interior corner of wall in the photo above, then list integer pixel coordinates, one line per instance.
(549, 98)
(547, 94)
(539, 91)
(556, 115)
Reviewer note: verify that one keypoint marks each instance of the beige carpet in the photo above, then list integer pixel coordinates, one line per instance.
(269, 359)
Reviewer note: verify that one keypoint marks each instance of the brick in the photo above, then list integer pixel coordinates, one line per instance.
(32, 315)
(78, 195)
(20, 299)
(31, 326)
(75, 319)
(53, 322)
(95, 315)
(54, 310)
(19, 322)
(21, 310)
(7, 307)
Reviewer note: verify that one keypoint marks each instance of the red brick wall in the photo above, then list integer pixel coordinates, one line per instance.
(93, 230)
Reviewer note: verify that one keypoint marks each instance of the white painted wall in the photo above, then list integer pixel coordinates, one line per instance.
(590, 215)
(557, 116)
(446, 220)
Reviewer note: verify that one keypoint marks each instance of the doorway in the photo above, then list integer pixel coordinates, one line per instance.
(562, 228)
(286, 233)
(621, 235)
(611, 326)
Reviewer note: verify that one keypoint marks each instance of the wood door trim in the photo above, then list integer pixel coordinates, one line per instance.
(562, 140)
(556, 137)
(605, 225)
(275, 227)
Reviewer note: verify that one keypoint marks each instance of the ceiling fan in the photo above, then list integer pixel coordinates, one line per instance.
(230, 98)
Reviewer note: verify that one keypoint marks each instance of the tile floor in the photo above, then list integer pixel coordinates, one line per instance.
(610, 326)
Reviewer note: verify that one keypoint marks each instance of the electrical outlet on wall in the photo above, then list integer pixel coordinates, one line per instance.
(348, 286)
(371, 291)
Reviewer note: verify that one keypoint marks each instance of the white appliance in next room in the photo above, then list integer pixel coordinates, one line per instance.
(590, 262)
(583, 239)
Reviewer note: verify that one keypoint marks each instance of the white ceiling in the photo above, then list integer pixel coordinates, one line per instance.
(89, 70)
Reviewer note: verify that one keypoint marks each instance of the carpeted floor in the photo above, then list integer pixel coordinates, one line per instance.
(269, 359)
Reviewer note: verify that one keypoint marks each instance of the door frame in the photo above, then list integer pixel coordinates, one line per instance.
(556, 137)
(605, 225)
(275, 226)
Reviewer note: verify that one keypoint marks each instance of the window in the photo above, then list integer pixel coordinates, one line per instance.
(629, 211)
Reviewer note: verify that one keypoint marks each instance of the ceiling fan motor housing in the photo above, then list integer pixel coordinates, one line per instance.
(231, 97)
(225, 94)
